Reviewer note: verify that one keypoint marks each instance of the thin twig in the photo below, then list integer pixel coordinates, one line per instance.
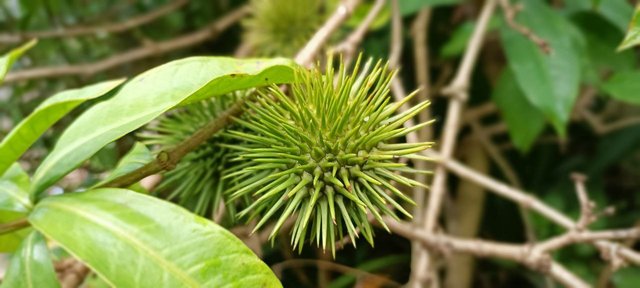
(530, 202)
(348, 46)
(510, 13)
(149, 50)
(82, 30)
(458, 92)
(482, 248)
(342, 13)
(277, 269)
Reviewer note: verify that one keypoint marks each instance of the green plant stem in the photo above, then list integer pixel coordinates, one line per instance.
(6, 228)
(167, 160)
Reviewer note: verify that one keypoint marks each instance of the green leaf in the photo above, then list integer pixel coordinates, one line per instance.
(457, 43)
(8, 59)
(9, 242)
(158, 244)
(14, 204)
(601, 39)
(633, 33)
(31, 265)
(149, 95)
(45, 115)
(549, 81)
(617, 12)
(524, 121)
(624, 86)
(137, 157)
(409, 7)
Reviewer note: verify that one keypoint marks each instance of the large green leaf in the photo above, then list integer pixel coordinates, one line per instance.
(134, 240)
(137, 157)
(7, 60)
(31, 265)
(633, 34)
(617, 12)
(624, 86)
(45, 115)
(149, 95)
(550, 81)
(524, 121)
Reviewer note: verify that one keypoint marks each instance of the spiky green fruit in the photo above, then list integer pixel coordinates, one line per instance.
(282, 27)
(326, 155)
(197, 181)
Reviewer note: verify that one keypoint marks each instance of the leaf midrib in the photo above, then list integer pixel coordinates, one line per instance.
(134, 242)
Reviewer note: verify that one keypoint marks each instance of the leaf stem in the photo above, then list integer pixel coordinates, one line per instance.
(6, 228)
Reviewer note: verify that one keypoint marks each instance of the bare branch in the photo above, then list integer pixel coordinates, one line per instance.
(149, 50)
(349, 45)
(481, 248)
(510, 13)
(82, 30)
(458, 91)
(342, 13)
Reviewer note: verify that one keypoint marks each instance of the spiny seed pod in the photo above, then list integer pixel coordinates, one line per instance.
(326, 154)
(197, 181)
(282, 27)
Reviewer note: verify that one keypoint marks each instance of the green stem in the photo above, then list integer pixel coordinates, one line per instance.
(6, 228)
(167, 160)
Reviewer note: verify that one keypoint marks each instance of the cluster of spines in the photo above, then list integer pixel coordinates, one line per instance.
(197, 181)
(325, 153)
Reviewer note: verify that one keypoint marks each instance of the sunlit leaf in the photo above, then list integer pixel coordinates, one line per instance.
(45, 115)
(7, 60)
(31, 265)
(158, 244)
(633, 33)
(146, 97)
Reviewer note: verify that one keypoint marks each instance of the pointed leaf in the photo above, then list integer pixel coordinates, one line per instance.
(524, 121)
(45, 115)
(550, 81)
(633, 34)
(8, 59)
(149, 95)
(158, 243)
(31, 265)
(138, 156)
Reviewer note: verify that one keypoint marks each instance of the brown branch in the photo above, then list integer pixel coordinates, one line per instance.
(278, 267)
(14, 226)
(153, 49)
(482, 248)
(342, 13)
(348, 46)
(92, 30)
(420, 32)
(458, 92)
(510, 13)
(530, 202)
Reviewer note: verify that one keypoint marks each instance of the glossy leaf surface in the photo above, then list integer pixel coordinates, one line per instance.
(149, 95)
(158, 243)
(46, 114)
(31, 265)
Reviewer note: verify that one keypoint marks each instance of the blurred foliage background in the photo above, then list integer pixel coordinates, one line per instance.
(574, 111)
